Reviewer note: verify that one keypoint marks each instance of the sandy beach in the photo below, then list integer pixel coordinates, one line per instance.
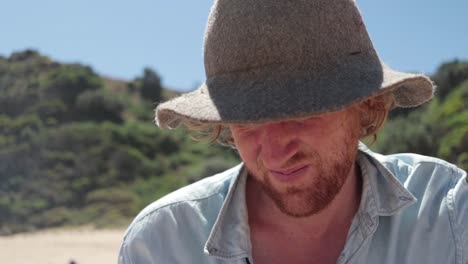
(60, 246)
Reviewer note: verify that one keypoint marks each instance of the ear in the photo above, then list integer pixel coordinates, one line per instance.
(373, 114)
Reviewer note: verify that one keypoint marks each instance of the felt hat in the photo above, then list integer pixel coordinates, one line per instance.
(270, 60)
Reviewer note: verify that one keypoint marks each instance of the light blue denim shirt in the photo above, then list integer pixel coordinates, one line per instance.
(414, 209)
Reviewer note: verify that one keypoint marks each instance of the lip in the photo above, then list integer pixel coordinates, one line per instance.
(289, 175)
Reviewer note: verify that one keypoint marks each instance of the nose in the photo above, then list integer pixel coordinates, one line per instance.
(278, 143)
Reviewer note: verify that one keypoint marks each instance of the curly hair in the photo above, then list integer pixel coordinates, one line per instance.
(211, 132)
(373, 114)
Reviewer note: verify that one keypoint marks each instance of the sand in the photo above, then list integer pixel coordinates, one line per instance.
(59, 246)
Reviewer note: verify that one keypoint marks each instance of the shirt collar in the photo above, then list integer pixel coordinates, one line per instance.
(230, 235)
(382, 194)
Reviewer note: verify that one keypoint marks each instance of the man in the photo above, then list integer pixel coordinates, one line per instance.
(294, 86)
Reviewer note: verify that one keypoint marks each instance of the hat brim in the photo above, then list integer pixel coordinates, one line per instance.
(241, 100)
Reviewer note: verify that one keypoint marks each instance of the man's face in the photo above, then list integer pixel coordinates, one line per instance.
(300, 164)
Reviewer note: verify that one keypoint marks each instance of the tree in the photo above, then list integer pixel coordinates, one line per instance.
(68, 81)
(151, 86)
(99, 105)
(449, 76)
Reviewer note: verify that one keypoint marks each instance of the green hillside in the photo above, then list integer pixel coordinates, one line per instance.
(79, 148)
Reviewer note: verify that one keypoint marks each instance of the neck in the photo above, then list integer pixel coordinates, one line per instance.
(336, 217)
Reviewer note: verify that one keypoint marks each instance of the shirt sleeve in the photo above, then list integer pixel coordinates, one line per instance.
(141, 243)
(123, 255)
(458, 201)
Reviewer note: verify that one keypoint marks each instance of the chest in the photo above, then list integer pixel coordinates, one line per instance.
(272, 248)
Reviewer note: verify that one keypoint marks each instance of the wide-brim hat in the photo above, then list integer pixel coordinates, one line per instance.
(269, 60)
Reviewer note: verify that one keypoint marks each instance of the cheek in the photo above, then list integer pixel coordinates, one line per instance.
(248, 148)
(250, 160)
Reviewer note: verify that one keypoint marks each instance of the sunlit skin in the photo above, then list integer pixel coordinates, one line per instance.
(303, 187)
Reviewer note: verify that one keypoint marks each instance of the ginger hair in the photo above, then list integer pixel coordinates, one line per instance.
(373, 114)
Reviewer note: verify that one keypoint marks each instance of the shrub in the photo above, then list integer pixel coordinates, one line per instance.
(99, 105)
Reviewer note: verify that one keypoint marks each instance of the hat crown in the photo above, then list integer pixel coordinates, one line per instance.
(311, 35)
(271, 60)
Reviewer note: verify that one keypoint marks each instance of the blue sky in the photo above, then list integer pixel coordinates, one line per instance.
(119, 38)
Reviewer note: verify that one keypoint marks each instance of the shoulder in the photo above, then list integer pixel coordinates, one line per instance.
(432, 180)
(441, 189)
(410, 167)
(214, 187)
(438, 219)
(183, 218)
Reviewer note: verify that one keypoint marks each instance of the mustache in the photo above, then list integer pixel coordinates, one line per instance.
(297, 159)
